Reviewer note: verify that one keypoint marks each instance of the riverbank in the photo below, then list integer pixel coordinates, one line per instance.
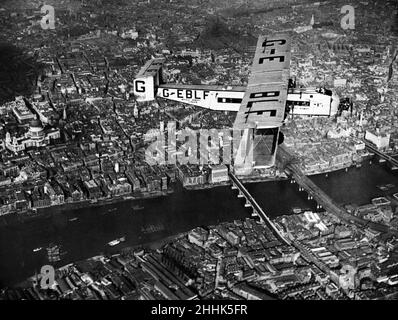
(149, 246)
(178, 213)
(50, 210)
(283, 176)
(46, 212)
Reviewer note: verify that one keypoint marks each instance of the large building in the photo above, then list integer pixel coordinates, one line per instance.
(190, 176)
(380, 140)
(218, 173)
(21, 111)
(36, 136)
(45, 112)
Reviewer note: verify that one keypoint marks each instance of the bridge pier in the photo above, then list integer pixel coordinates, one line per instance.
(250, 202)
(382, 160)
(254, 213)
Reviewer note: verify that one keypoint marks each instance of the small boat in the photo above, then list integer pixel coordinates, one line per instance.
(37, 249)
(137, 207)
(116, 242)
(112, 210)
(73, 219)
(113, 243)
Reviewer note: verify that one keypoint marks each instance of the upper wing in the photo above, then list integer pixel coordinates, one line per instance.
(263, 105)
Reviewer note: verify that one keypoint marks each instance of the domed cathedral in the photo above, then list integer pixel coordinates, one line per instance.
(36, 136)
(36, 130)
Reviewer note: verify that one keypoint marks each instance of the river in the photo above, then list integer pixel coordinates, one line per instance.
(183, 210)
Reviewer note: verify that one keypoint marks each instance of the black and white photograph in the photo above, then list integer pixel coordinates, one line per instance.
(209, 151)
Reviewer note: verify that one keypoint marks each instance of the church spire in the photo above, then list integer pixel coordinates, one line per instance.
(312, 22)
